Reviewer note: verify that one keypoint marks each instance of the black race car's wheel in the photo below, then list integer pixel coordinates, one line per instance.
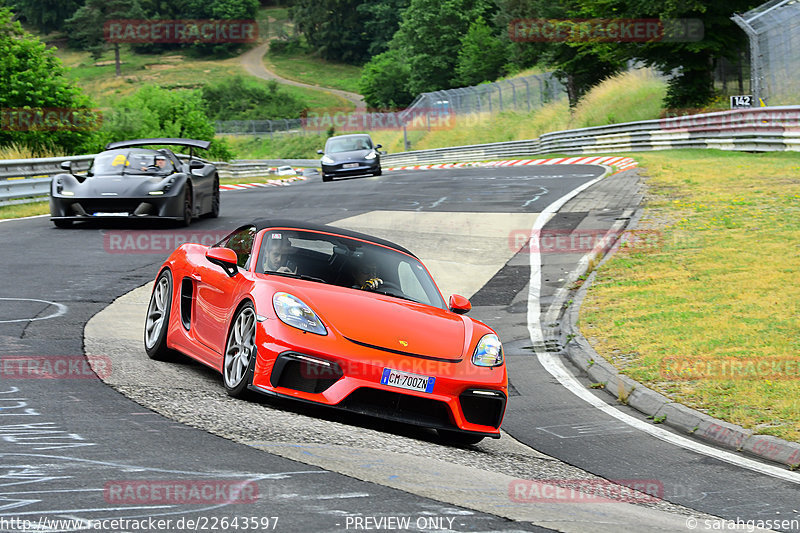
(156, 323)
(240, 353)
(326, 178)
(62, 223)
(378, 173)
(187, 206)
(456, 437)
(214, 213)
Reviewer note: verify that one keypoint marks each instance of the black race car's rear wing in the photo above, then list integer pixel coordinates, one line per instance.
(191, 143)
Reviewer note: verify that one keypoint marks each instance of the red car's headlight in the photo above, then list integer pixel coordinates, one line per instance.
(489, 351)
(294, 312)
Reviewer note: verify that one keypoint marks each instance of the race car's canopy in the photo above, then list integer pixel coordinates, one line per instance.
(191, 143)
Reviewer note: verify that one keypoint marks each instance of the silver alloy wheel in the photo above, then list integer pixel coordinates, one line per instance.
(241, 347)
(159, 303)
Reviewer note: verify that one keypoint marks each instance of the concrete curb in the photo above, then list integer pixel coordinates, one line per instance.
(649, 402)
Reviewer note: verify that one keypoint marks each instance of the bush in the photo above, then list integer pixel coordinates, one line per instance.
(239, 98)
(157, 112)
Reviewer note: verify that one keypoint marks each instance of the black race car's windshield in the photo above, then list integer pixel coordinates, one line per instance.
(348, 144)
(140, 162)
(347, 262)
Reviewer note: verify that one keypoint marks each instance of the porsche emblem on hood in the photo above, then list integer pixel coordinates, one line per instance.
(403, 343)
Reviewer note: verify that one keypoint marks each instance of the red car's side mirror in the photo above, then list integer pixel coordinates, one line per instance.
(460, 305)
(224, 257)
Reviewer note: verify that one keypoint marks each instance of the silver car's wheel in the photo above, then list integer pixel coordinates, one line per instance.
(240, 352)
(156, 323)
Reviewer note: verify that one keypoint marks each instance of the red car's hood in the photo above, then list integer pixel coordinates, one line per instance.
(387, 322)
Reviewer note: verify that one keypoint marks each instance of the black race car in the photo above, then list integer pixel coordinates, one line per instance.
(128, 181)
(350, 155)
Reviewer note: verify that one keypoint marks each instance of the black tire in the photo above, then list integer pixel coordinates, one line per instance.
(187, 207)
(156, 322)
(214, 213)
(459, 438)
(378, 173)
(239, 358)
(326, 178)
(63, 224)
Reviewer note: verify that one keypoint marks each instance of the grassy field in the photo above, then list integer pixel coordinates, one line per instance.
(694, 316)
(172, 70)
(314, 71)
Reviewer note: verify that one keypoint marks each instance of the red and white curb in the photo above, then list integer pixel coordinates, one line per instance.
(273, 183)
(620, 163)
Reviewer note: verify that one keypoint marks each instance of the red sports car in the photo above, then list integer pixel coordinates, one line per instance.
(333, 317)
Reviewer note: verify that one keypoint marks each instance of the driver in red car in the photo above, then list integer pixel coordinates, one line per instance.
(365, 275)
(279, 254)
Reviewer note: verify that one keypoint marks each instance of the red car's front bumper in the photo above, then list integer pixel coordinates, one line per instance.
(337, 372)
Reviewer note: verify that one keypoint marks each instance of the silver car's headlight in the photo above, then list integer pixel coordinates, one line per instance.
(294, 312)
(327, 160)
(489, 351)
(371, 155)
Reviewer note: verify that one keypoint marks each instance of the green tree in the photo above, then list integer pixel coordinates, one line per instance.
(578, 66)
(482, 55)
(381, 20)
(333, 28)
(32, 79)
(156, 112)
(86, 25)
(45, 15)
(430, 38)
(691, 61)
(383, 81)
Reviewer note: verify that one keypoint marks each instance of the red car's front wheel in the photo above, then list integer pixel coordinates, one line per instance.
(240, 352)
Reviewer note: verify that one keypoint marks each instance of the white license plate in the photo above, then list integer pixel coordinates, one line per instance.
(406, 380)
(102, 214)
(350, 165)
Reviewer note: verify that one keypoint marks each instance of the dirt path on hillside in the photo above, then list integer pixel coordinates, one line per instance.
(253, 63)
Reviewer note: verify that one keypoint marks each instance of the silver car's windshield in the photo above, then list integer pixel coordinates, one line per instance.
(347, 262)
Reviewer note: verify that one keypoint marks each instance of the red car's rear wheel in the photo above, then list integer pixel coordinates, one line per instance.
(157, 322)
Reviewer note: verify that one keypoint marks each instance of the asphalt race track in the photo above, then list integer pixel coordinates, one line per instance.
(70, 447)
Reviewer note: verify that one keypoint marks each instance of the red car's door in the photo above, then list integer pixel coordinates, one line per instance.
(218, 294)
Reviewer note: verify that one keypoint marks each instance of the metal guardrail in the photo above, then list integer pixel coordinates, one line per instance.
(762, 129)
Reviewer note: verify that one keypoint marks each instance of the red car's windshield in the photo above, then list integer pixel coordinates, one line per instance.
(347, 262)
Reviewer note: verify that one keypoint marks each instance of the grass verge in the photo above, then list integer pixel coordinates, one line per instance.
(314, 71)
(694, 316)
(24, 210)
